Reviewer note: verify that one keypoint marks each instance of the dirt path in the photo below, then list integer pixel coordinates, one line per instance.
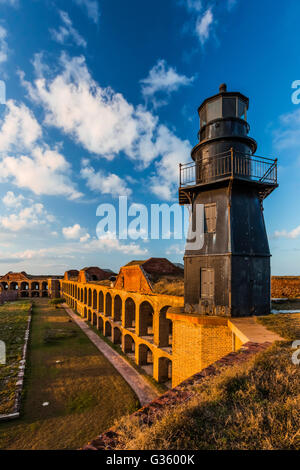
(141, 387)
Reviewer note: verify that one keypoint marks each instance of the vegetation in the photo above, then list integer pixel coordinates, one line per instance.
(169, 285)
(56, 301)
(251, 406)
(13, 324)
(72, 393)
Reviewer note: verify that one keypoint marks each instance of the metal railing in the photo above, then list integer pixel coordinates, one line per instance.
(226, 165)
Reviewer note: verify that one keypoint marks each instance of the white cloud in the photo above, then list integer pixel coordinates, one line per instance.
(194, 5)
(175, 249)
(67, 31)
(287, 135)
(109, 183)
(75, 232)
(91, 7)
(27, 218)
(173, 151)
(203, 25)
(19, 130)
(103, 122)
(163, 78)
(28, 162)
(295, 233)
(11, 200)
(3, 45)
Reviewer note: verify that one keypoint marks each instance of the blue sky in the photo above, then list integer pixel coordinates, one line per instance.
(102, 100)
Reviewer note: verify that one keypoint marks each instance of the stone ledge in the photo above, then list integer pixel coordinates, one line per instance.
(178, 395)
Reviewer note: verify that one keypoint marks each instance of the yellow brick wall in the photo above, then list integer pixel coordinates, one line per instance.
(197, 346)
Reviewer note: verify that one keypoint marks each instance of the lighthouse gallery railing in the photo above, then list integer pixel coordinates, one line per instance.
(229, 164)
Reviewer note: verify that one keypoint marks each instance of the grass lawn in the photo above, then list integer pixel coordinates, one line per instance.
(85, 393)
(251, 406)
(13, 324)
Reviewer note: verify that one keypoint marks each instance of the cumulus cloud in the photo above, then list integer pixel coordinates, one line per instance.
(203, 25)
(26, 160)
(75, 232)
(163, 78)
(295, 233)
(103, 121)
(91, 7)
(287, 134)
(105, 183)
(67, 31)
(27, 218)
(11, 200)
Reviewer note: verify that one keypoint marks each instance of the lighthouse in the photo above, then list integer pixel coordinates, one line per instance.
(229, 274)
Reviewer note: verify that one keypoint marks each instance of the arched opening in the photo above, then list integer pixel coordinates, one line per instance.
(75, 307)
(129, 346)
(94, 299)
(94, 319)
(108, 304)
(117, 308)
(85, 295)
(90, 298)
(24, 285)
(129, 320)
(145, 319)
(164, 370)
(81, 295)
(89, 315)
(25, 294)
(35, 294)
(100, 324)
(107, 329)
(35, 286)
(14, 286)
(117, 335)
(4, 285)
(145, 358)
(100, 302)
(165, 329)
(85, 313)
(45, 293)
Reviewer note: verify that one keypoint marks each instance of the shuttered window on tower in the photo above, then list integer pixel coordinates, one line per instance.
(207, 283)
(210, 215)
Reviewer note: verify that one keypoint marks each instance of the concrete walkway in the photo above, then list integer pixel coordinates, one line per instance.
(139, 385)
(247, 329)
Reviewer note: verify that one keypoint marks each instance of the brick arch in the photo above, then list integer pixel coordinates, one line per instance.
(146, 313)
(164, 369)
(89, 315)
(108, 305)
(94, 299)
(117, 308)
(85, 312)
(85, 296)
(145, 355)
(117, 335)
(128, 344)
(90, 297)
(130, 313)
(165, 330)
(107, 328)
(94, 319)
(100, 302)
(100, 324)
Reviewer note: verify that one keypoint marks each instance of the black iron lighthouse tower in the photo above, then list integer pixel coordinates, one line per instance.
(230, 274)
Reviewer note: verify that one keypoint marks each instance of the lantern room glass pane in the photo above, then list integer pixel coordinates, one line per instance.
(242, 109)
(229, 106)
(214, 109)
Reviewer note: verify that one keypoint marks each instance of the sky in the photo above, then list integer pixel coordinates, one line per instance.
(101, 102)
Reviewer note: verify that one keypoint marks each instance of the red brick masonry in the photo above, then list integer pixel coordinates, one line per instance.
(180, 394)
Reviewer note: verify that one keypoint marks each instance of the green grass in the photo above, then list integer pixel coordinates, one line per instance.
(13, 324)
(247, 407)
(85, 393)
